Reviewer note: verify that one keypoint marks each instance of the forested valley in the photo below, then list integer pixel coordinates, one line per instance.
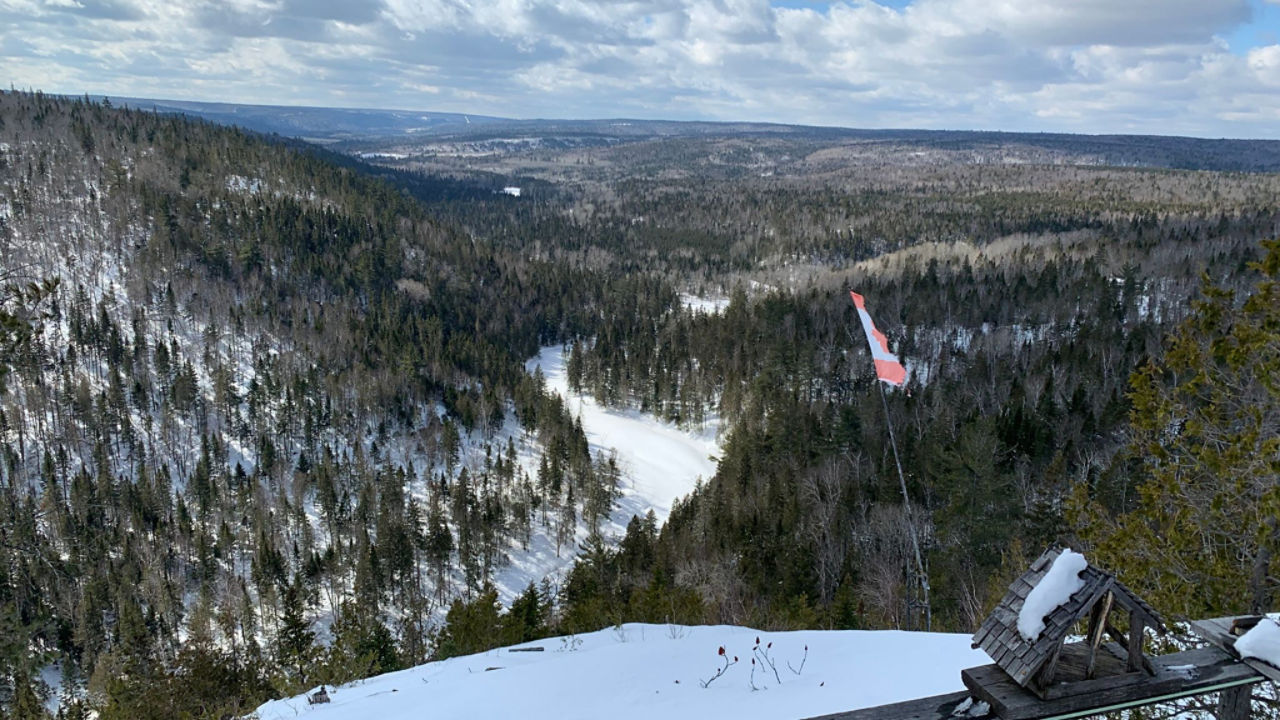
(265, 420)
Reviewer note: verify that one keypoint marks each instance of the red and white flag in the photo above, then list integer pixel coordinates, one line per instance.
(888, 368)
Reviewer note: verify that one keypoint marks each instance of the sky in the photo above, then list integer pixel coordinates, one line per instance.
(1207, 68)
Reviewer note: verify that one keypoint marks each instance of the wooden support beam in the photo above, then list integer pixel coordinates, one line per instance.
(1125, 642)
(1235, 703)
(1135, 642)
(1097, 624)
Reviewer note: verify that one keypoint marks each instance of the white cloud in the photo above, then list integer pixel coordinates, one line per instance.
(1083, 65)
(1265, 63)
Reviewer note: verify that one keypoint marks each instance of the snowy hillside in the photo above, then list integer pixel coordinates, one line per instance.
(259, 384)
(658, 671)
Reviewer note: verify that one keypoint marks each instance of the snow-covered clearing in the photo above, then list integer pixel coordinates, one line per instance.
(1056, 588)
(645, 671)
(659, 461)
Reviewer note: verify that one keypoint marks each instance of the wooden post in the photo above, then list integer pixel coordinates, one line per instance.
(1097, 624)
(1135, 642)
(1233, 703)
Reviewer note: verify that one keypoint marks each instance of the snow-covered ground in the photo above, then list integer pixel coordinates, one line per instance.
(659, 461)
(643, 672)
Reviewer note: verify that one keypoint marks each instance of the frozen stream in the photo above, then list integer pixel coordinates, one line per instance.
(659, 461)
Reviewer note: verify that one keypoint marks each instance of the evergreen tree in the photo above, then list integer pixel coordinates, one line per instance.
(362, 647)
(470, 626)
(295, 641)
(1201, 536)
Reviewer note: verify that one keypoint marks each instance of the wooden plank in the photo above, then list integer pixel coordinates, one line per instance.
(1084, 687)
(983, 631)
(1216, 631)
(1216, 672)
(938, 707)
(1131, 659)
(1109, 665)
(1043, 562)
(1073, 664)
(1272, 673)
(1005, 615)
(1213, 671)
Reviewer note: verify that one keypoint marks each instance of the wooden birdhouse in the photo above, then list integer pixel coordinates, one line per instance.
(1045, 663)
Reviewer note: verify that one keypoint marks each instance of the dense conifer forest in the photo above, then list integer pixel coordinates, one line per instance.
(265, 415)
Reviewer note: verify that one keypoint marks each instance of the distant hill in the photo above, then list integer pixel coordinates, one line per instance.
(328, 125)
(315, 123)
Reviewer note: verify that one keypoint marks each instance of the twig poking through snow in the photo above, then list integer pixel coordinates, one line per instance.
(803, 660)
(721, 671)
(765, 659)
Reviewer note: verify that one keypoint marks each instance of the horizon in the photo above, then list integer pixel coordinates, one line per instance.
(131, 102)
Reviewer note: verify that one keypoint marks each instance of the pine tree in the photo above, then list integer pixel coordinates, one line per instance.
(295, 641)
(362, 647)
(470, 627)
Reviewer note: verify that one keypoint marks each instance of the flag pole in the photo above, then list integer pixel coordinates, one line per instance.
(906, 504)
(874, 337)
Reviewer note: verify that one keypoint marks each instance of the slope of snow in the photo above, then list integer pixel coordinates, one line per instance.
(1058, 585)
(643, 672)
(659, 461)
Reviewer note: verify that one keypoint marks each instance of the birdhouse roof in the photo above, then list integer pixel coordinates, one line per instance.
(1021, 658)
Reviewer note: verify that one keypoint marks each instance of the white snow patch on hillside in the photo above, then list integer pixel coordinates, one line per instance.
(1056, 588)
(713, 305)
(641, 672)
(242, 184)
(659, 461)
(51, 675)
